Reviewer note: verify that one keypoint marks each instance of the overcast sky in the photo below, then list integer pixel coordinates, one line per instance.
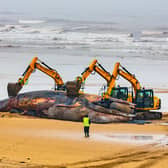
(89, 9)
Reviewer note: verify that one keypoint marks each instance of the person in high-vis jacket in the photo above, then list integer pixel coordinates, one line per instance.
(86, 124)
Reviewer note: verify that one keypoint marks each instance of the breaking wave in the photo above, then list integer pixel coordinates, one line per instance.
(73, 35)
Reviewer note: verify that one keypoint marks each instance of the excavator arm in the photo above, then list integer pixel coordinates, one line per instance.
(73, 87)
(14, 88)
(120, 70)
(98, 68)
(129, 77)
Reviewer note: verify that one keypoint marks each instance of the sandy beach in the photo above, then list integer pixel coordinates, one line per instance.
(33, 142)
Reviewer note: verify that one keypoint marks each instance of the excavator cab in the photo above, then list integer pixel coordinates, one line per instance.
(120, 93)
(144, 98)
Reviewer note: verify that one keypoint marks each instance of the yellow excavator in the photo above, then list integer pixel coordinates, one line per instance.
(36, 63)
(143, 98)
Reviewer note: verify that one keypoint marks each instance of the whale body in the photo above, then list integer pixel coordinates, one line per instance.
(57, 105)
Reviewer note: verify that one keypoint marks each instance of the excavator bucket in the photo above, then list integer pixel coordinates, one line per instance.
(72, 88)
(13, 89)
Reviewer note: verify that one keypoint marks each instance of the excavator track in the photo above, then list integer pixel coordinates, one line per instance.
(148, 115)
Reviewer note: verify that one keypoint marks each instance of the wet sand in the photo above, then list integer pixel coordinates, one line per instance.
(33, 142)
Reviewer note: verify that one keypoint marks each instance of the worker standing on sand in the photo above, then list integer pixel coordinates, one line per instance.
(86, 124)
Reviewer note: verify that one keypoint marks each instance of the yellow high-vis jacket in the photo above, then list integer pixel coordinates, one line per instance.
(86, 122)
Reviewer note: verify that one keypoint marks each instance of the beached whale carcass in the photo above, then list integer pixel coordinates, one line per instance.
(56, 105)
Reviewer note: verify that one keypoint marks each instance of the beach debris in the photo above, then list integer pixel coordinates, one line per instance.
(57, 105)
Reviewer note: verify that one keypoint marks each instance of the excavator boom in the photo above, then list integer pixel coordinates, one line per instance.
(73, 87)
(14, 88)
(120, 70)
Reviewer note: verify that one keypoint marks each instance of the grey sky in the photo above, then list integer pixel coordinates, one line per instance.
(90, 9)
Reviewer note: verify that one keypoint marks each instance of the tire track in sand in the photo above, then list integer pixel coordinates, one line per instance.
(138, 159)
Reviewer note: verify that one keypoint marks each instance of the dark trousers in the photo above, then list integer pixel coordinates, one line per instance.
(86, 131)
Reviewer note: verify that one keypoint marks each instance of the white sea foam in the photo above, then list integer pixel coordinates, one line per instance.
(31, 21)
(79, 28)
(149, 33)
